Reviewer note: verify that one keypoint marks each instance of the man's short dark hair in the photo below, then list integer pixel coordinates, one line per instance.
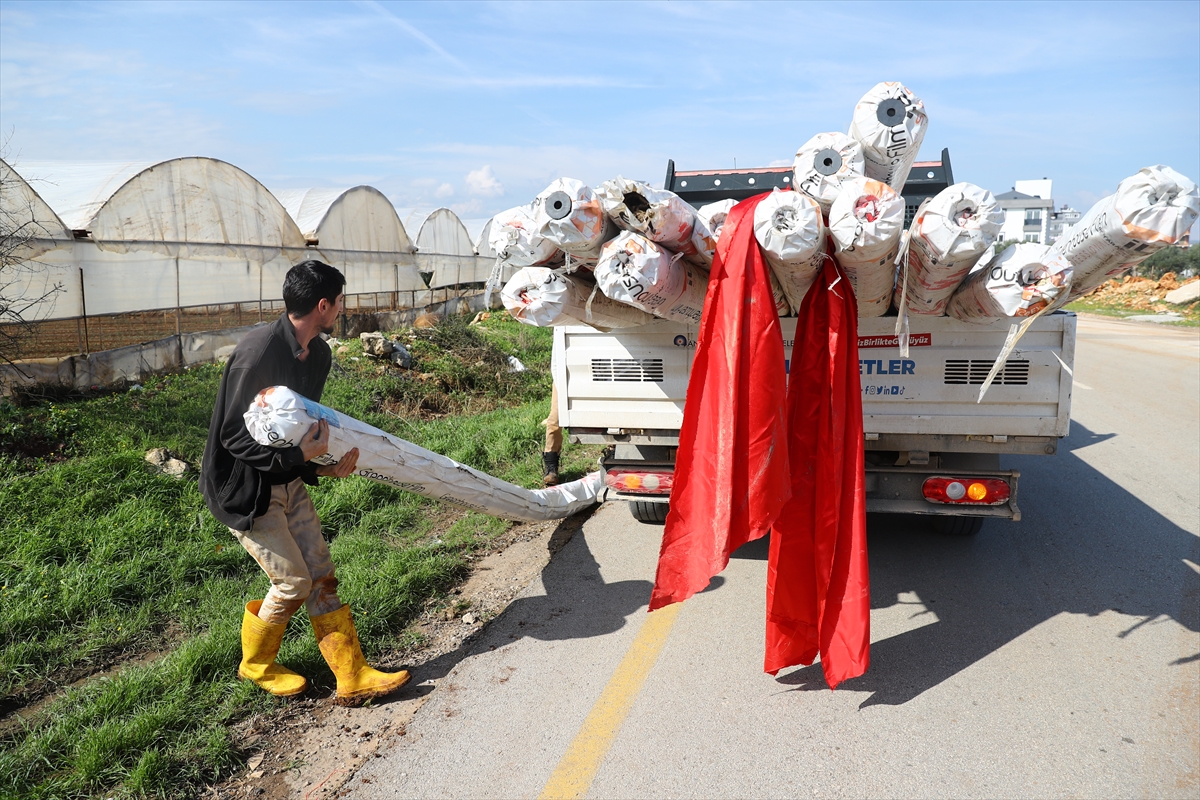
(308, 282)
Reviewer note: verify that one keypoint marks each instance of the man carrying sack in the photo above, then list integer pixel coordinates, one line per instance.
(259, 492)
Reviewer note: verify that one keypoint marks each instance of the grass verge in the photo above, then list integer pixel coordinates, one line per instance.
(1190, 314)
(116, 579)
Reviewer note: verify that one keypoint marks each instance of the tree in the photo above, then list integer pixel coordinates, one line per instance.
(1170, 259)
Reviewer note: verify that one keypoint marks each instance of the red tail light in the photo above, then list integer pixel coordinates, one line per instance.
(966, 491)
(640, 481)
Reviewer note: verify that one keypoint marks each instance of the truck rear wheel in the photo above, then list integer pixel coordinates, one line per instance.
(652, 513)
(958, 526)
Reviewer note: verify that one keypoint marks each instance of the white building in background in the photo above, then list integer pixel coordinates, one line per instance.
(1027, 211)
(1062, 219)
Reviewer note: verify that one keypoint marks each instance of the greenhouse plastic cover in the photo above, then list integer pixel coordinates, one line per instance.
(30, 216)
(76, 190)
(185, 207)
(359, 219)
(279, 417)
(445, 249)
(197, 231)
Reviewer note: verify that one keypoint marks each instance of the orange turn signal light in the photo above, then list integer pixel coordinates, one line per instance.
(640, 481)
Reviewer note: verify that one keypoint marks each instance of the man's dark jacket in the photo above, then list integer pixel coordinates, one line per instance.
(238, 472)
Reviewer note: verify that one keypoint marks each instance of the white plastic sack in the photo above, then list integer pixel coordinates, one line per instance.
(1022, 281)
(824, 163)
(568, 214)
(541, 297)
(1151, 210)
(661, 216)
(278, 417)
(889, 122)
(950, 233)
(714, 214)
(866, 221)
(791, 233)
(515, 238)
(634, 270)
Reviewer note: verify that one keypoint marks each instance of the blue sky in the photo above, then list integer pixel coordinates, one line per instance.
(477, 106)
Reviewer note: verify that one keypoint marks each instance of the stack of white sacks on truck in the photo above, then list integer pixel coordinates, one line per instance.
(625, 253)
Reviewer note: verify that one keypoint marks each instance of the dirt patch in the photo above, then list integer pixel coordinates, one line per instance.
(311, 748)
(1139, 294)
(35, 447)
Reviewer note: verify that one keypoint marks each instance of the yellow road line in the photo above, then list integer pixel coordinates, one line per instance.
(575, 772)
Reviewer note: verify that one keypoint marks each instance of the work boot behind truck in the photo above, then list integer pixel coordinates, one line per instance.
(930, 448)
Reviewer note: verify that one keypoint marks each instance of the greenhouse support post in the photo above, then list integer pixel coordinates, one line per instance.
(83, 314)
(178, 306)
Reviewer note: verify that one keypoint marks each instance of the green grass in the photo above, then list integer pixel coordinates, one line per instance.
(117, 578)
(1115, 308)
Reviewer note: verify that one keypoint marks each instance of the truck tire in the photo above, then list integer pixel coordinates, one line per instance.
(652, 513)
(958, 526)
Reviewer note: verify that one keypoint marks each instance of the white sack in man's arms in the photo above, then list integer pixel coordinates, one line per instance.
(279, 417)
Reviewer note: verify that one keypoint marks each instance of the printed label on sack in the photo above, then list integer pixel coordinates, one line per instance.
(914, 340)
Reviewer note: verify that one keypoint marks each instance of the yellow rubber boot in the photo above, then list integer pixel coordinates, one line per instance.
(356, 682)
(260, 645)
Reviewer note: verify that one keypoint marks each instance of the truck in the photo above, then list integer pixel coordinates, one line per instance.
(930, 448)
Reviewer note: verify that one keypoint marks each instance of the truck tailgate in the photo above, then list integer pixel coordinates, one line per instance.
(632, 382)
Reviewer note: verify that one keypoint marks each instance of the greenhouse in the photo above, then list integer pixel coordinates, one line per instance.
(132, 252)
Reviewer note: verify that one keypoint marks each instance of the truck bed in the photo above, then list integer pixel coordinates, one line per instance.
(626, 388)
(629, 385)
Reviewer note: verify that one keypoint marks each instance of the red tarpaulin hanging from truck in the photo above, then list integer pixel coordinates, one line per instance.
(742, 459)
(731, 473)
(818, 588)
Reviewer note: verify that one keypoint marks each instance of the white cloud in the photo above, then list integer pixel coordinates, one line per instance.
(446, 190)
(482, 182)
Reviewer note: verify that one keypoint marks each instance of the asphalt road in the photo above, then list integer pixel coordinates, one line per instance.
(1055, 657)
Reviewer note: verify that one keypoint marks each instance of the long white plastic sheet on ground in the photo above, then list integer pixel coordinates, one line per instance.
(568, 214)
(659, 215)
(824, 163)
(539, 296)
(889, 122)
(1151, 210)
(1020, 282)
(866, 221)
(791, 233)
(949, 235)
(642, 273)
(279, 417)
